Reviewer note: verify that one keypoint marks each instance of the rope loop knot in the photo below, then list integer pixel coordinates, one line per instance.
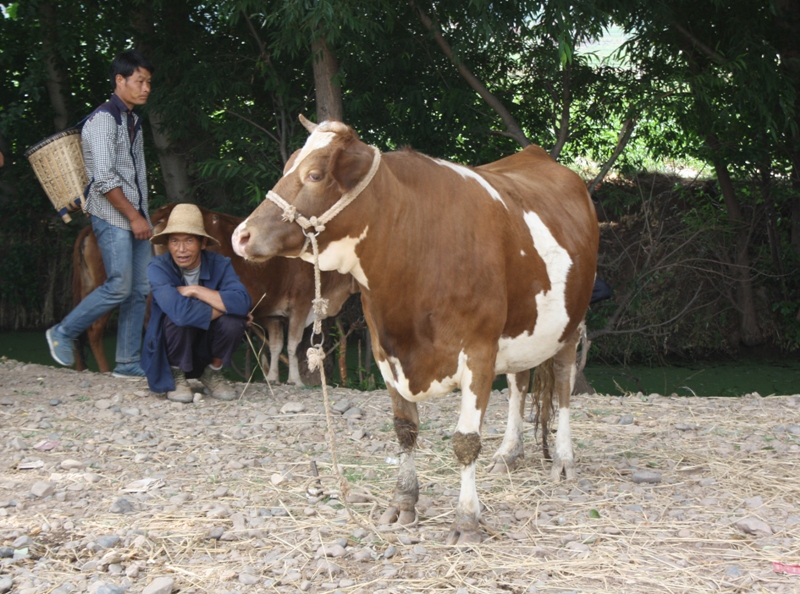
(315, 356)
(320, 305)
(289, 213)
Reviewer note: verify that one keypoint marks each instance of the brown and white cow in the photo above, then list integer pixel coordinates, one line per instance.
(281, 288)
(464, 273)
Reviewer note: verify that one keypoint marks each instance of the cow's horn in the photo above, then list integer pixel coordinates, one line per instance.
(310, 126)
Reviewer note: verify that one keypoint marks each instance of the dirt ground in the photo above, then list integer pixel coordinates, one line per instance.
(107, 488)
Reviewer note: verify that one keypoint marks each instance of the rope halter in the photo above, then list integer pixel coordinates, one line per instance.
(313, 226)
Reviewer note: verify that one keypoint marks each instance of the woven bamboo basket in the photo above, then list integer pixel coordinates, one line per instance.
(58, 163)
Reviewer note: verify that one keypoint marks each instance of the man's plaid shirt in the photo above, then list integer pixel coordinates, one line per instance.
(112, 161)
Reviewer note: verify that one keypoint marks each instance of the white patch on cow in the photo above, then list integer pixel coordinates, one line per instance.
(469, 419)
(522, 253)
(465, 172)
(317, 140)
(394, 376)
(564, 437)
(340, 255)
(527, 350)
(468, 502)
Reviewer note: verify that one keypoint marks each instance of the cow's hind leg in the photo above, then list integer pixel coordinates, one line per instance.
(512, 450)
(564, 379)
(275, 336)
(95, 334)
(402, 509)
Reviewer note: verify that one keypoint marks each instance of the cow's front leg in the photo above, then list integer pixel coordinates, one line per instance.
(402, 509)
(512, 450)
(275, 338)
(564, 380)
(467, 447)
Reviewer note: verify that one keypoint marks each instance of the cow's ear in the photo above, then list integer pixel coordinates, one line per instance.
(349, 164)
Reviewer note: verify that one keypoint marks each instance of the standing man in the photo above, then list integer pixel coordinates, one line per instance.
(116, 199)
(199, 314)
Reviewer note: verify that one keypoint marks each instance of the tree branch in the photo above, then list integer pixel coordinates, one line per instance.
(563, 128)
(622, 141)
(513, 129)
(699, 44)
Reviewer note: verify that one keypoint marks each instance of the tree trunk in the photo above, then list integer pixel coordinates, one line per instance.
(328, 91)
(55, 81)
(751, 333)
(173, 164)
(772, 220)
(795, 204)
(342, 355)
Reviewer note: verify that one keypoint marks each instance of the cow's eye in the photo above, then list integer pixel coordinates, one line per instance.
(315, 175)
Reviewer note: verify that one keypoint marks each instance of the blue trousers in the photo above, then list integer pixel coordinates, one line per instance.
(125, 259)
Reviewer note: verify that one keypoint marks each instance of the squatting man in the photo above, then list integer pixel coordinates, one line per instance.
(199, 311)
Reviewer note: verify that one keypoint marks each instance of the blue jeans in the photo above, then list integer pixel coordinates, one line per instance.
(125, 259)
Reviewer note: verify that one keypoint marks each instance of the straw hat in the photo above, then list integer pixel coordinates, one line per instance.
(184, 218)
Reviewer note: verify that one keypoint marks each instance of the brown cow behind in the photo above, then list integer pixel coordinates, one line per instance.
(280, 288)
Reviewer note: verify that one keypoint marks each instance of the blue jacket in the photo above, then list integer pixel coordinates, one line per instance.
(216, 272)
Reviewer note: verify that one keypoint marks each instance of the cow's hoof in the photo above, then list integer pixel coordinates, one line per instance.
(459, 536)
(394, 515)
(562, 467)
(501, 465)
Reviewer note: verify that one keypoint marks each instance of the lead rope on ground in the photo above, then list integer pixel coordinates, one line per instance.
(316, 360)
(316, 353)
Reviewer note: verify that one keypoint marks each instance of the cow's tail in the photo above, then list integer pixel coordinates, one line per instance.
(544, 383)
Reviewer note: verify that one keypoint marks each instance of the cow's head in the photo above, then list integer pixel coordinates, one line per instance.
(332, 162)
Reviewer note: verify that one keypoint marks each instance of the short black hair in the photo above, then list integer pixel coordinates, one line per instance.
(126, 64)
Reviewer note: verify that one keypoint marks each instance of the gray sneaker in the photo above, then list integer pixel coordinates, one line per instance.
(216, 385)
(61, 348)
(182, 392)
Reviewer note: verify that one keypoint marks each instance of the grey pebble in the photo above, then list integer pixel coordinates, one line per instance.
(753, 526)
(121, 506)
(6, 583)
(341, 406)
(161, 585)
(646, 476)
(6, 552)
(110, 589)
(353, 413)
(17, 443)
(21, 542)
(390, 552)
(626, 420)
(248, 579)
(107, 541)
(733, 571)
(293, 407)
(215, 533)
(55, 402)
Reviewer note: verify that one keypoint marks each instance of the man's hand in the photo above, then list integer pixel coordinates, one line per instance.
(141, 228)
(205, 295)
(186, 291)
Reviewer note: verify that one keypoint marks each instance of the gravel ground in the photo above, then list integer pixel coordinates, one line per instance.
(107, 488)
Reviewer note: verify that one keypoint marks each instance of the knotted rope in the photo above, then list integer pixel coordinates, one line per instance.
(312, 227)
